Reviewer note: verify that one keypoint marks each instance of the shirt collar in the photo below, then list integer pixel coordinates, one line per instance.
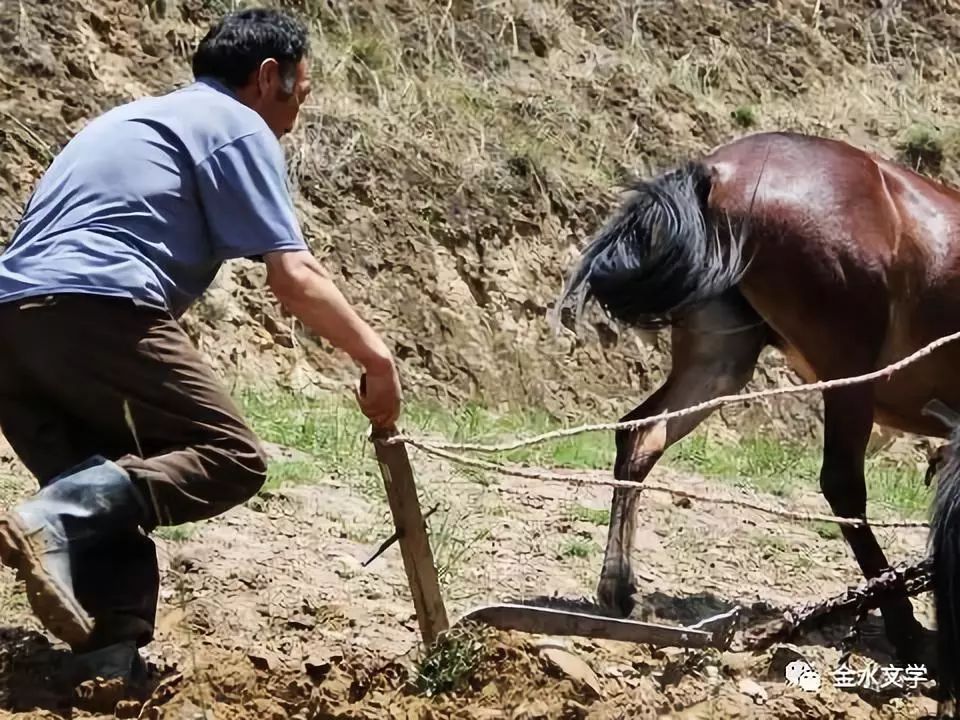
(215, 84)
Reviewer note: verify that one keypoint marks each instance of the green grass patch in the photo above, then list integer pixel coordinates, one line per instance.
(759, 463)
(474, 423)
(331, 431)
(176, 533)
(781, 469)
(594, 516)
(450, 662)
(577, 548)
(291, 472)
(826, 530)
(453, 542)
(745, 116)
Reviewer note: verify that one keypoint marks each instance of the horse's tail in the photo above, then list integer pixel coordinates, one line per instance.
(658, 256)
(944, 549)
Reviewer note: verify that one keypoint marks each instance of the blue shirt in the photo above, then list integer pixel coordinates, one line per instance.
(150, 199)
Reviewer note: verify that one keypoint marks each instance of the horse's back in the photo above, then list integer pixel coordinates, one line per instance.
(855, 260)
(877, 205)
(819, 232)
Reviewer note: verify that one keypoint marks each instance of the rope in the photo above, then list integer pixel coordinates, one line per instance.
(552, 476)
(821, 386)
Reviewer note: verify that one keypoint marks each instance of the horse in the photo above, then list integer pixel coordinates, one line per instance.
(840, 259)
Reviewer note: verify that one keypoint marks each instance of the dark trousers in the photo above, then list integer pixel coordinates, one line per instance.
(83, 375)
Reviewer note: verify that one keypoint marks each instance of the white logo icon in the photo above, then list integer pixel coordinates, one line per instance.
(800, 674)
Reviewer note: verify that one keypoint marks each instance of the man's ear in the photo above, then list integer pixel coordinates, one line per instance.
(268, 76)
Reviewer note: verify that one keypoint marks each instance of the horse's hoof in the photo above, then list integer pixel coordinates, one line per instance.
(615, 594)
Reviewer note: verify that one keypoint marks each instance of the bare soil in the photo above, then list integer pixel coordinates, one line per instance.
(267, 611)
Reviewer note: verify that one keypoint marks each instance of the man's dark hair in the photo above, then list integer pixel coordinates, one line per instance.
(237, 44)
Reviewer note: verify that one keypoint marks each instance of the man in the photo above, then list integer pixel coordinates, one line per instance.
(102, 396)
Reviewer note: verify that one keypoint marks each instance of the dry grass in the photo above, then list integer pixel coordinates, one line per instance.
(476, 91)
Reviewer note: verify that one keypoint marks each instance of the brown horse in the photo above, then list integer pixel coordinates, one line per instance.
(842, 260)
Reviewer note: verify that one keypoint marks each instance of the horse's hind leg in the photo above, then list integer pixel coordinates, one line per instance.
(848, 419)
(714, 353)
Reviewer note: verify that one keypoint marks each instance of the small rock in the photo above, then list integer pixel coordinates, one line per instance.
(317, 667)
(736, 662)
(301, 621)
(127, 709)
(264, 660)
(681, 502)
(752, 689)
(551, 642)
(574, 668)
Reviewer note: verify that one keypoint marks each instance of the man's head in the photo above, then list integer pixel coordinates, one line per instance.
(261, 55)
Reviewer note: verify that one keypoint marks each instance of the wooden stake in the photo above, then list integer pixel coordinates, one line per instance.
(412, 533)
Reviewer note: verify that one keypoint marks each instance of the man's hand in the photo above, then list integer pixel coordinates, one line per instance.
(379, 397)
(305, 289)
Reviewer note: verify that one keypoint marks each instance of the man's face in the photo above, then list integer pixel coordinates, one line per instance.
(276, 106)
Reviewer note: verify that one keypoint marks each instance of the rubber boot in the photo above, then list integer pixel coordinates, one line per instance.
(121, 660)
(38, 537)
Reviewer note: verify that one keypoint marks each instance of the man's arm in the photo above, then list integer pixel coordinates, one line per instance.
(304, 288)
(248, 209)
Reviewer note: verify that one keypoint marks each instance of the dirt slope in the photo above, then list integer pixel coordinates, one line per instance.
(455, 156)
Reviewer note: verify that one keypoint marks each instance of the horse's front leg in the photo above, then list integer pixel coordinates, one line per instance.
(714, 354)
(848, 419)
(637, 453)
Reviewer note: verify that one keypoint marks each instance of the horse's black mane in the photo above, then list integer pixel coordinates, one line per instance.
(658, 256)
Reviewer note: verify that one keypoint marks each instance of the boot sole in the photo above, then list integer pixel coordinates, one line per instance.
(59, 612)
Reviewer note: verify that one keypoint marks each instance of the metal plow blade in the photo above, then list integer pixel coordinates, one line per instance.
(715, 632)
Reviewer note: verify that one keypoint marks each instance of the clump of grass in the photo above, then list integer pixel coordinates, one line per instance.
(745, 116)
(826, 530)
(452, 544)
(760, 463)
(474, 422)
(329, 430)
(594, 516)
(176, 533)
(450, 662)
(290, 472)
(577, 548)
(922, 146)
(899, 486)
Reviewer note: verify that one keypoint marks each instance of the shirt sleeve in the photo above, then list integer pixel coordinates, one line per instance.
(247, 204)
